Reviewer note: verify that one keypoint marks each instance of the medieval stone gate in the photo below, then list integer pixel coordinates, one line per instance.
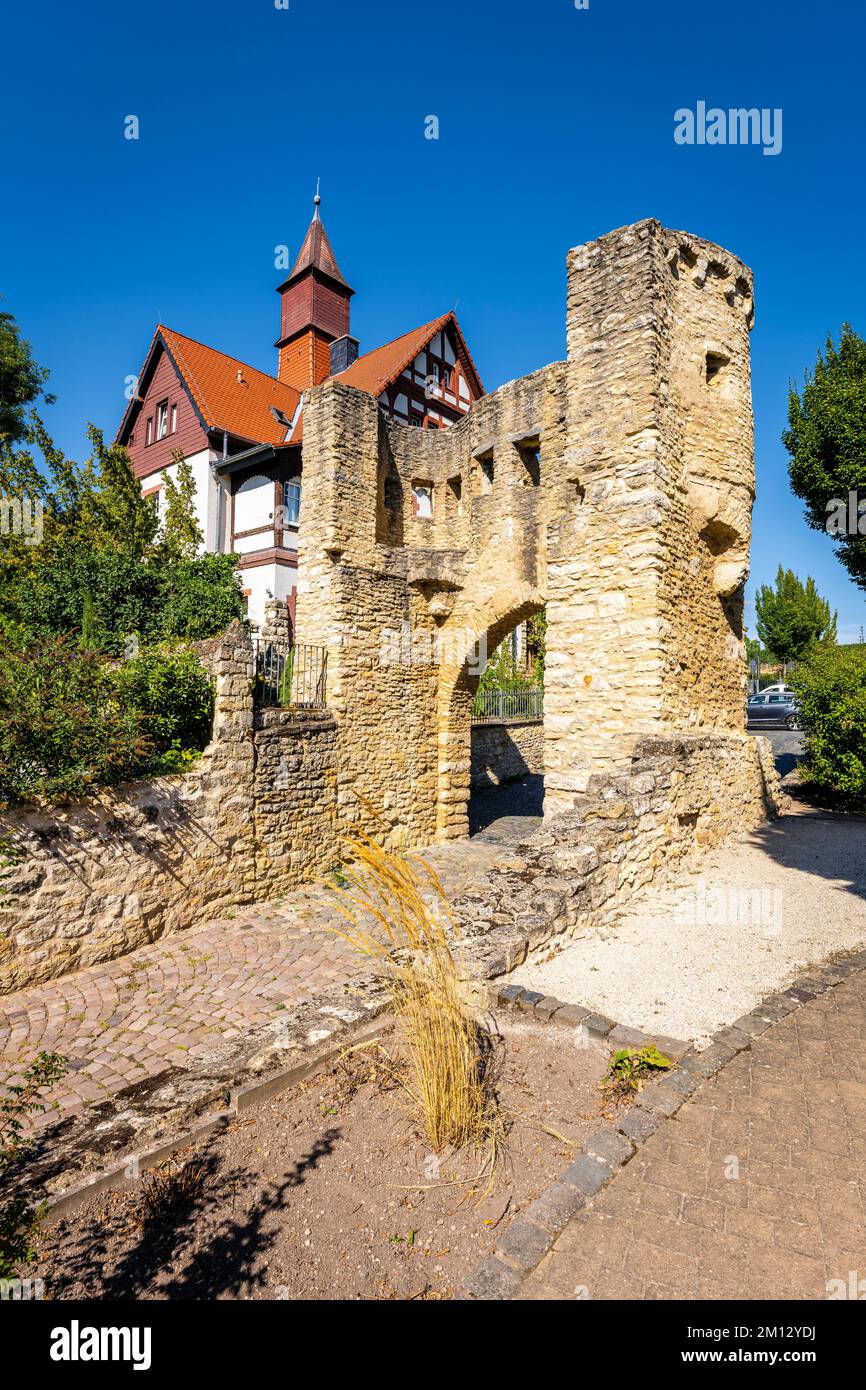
(614, 489)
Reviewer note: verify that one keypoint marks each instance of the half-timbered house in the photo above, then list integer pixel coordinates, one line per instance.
(241, 430)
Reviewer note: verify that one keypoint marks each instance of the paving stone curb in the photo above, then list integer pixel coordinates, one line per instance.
(527, 1240)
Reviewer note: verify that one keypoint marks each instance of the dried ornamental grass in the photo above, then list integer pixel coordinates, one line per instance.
(400, 917)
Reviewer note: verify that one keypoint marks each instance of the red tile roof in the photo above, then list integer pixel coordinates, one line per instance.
(242, 407)
(376, 370)
(229, 394)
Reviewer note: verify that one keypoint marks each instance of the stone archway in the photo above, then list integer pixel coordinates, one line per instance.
(613, 489)
(484, 625)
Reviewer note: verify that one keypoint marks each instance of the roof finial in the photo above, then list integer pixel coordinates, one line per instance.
(316, 202)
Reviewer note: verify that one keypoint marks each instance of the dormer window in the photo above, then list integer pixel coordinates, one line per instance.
(162, 420)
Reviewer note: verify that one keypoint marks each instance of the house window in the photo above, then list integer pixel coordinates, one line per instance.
(162, 420)
(254, 505)
(148, 433)
(174, 419)
(291, 503)
(422, 500)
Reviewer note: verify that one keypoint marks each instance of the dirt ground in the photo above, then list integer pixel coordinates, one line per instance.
(330, 1192)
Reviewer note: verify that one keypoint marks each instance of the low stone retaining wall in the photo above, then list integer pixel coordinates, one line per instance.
(679, 794)
(92, 880)
(262, 812)
(503, 752)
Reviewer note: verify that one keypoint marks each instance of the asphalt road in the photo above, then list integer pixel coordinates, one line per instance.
(788, 747)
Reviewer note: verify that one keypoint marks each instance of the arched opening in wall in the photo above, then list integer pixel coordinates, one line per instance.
(491, 728)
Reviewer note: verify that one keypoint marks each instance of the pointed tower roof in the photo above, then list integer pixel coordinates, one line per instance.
(317, 253)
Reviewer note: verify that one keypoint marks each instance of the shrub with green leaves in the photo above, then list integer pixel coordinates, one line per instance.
(106, 598)
(62, 729)
(630, 1068)
(831, 691)
(173, 698)
(72, 719)
(19, 1218)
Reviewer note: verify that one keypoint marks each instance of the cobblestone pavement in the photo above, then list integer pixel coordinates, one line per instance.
(755, 1189)
(133, 1018)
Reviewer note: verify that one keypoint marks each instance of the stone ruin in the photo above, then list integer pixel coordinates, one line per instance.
(613, 490)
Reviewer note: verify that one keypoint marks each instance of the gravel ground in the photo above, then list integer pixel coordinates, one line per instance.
(691, 956)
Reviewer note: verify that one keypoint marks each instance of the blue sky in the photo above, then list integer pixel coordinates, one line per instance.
(556, 125)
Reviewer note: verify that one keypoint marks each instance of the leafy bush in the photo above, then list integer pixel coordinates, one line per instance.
(630, 1068)
(173, 698)
(108, 597)
(61, 729)
(831, 690)
(19, 1219)
(70, 719)
(200, 597)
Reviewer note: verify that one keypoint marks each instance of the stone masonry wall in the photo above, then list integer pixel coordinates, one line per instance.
(675, 797)
(503, 752)
(94, 879)
(614, 490)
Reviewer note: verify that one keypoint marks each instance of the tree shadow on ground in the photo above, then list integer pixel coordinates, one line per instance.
(821, 844)
(212, 1247)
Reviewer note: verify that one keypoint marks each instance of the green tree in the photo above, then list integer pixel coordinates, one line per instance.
(826, 439)
(182, 536)
(792, 617)
(831, 692)
(21, 379)
(126, 519)
(101, 571)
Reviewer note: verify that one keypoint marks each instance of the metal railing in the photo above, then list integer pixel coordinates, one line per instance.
(291, 676)
(508, 706)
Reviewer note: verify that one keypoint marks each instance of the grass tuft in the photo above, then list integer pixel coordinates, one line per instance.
(400, 918)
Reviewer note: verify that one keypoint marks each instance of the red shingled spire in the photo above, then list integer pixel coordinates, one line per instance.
(315, 310)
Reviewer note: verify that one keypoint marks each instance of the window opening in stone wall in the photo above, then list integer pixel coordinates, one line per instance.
(716, 363)
(422, 500)
(485, 474)
(531, 456)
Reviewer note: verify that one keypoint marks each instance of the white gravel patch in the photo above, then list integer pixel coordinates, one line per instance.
(690, 957)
